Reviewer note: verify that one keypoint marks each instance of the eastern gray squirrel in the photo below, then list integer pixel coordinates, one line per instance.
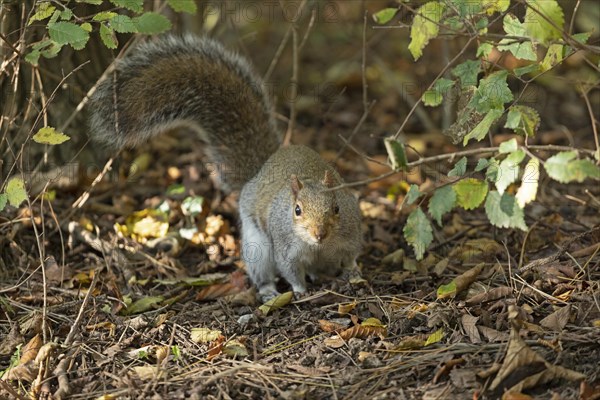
(292, 224)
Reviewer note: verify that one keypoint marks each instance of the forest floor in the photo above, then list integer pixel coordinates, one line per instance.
(193, 328)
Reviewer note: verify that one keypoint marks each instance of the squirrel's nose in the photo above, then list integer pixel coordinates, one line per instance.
(320, 234)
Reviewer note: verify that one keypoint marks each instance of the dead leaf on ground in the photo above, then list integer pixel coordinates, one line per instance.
(477, 250)
(236, 284)
(460, 283)
(277, 302)
(469, 325)
(490, 295)
(523, 368)
(558, 319)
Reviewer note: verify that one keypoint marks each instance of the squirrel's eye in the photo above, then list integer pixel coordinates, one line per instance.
(336, 210)
(298, 210)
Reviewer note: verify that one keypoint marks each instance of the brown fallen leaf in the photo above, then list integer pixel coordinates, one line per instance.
(589, 392)
(216, 348)
(331, 326)
(460, 283)
(558, 319)
(363, 331)
(523, 368)
(469, 325)
(236, 284)
(491, 295)
(346, 308)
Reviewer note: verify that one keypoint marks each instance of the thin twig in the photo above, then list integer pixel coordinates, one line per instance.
(592, 119)
(572, 24)
(348, 140)
(364, 64)
(294, 89)
(75, 327)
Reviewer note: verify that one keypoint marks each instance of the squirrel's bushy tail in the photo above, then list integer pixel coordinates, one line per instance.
(193, 83)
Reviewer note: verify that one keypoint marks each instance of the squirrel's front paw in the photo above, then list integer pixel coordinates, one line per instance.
(267, 292)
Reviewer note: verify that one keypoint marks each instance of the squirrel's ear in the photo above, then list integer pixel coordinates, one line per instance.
(328, 179)
(296, 185)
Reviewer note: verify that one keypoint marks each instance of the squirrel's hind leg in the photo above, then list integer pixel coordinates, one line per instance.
(257, 254)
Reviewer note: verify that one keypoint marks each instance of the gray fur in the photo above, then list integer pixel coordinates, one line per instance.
(227, 106)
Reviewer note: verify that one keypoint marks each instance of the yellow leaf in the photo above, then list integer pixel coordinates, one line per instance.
(435, 337)
(235, 348)
(204, 335)
(15, 190)
(49, 135)
(276, 302)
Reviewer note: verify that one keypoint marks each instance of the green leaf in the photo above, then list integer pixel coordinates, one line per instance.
(413, 194)
(529, 183)
(150, 23)
(3, 200)
(46, 48)
(442, 201)
(482, 25)
(54, 18)
(470, 193)
(43, 10)
(564, 167)
(143, 304)
(484, 126)
(86, 26)
(538, 27)
(15, 191)
(447, 290)
(133, 5)
(531, 68)
(123, 24)
(384, 16)
(68, 33)
(507, 204)
(49, 135)
(523, 50)
(467, 72)
(554, 56)
(418, 232)
(104, 16)
(424, 27)
(493, 6)
(491, 174)
(187, 6)
(467, 8)
(93, 2)
(498, 217)
(484, 50)
(508, 146)
(435, 95)
(66, 14)
(396, 153)
(459, 168)
(482, 164)
(523, 120)
(582, 37)
(33, 57)
(492, 93)
(509, 170)
(108, 36)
